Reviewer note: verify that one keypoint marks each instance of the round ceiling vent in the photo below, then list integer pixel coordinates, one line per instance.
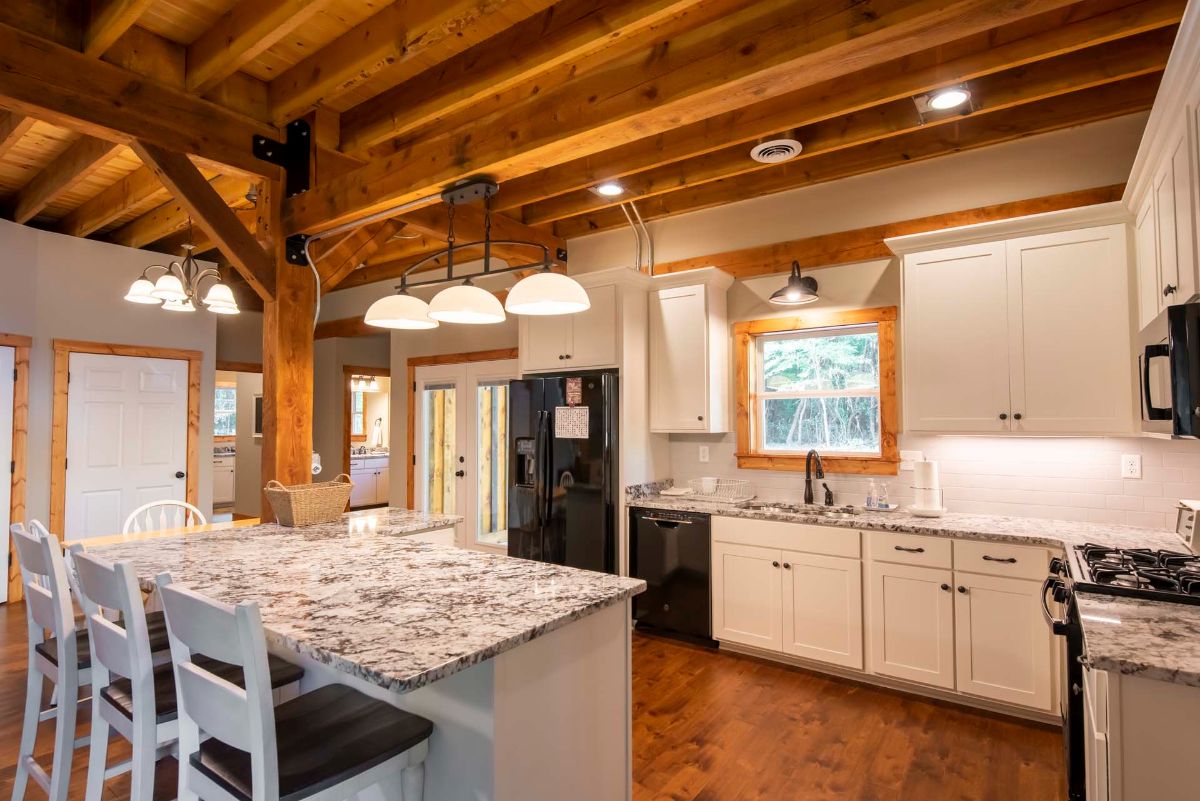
(776, 150)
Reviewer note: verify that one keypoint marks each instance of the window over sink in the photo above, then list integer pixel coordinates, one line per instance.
(824, 381)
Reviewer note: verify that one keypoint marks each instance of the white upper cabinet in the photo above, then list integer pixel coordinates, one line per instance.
(584, 341)
(1019, 334)
(1145, 244)
(689, 352)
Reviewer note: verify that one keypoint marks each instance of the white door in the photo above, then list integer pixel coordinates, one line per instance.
(461, 447)
(545, 342)
(912, 623)
(1070, 352)
(593, 343)
(747, 595)
(822, 608)
(678, 356)
(1003, 646)
(7, 387)
(127, 420)
(956, 339)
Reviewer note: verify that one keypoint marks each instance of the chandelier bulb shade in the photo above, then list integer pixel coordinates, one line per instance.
(547, 293)
(400, 311)
(168, 288)
(141, 291)
(798, 291)
(466, 304)
(179, 305)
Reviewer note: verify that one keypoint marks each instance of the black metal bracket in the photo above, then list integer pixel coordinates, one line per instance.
(470, 189)
(292, 156)
(294, 250)
(560, 254)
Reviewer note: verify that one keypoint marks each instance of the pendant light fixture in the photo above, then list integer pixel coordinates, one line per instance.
(177, 287)
(798, 291)
(542, 293)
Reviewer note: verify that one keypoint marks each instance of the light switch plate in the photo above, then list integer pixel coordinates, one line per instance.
(908, 457)
(1131, 465)
(703, 453)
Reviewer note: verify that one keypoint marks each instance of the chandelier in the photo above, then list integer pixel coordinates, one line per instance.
(178, 287)
(543, 293)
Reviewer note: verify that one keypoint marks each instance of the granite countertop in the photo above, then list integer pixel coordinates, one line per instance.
(393, 611)
(1152, 639)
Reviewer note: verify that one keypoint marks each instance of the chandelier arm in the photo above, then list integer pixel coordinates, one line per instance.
(406, 284)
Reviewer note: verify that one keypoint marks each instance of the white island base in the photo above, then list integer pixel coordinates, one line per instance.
(548, 720)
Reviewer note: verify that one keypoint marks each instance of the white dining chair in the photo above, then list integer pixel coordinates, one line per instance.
(327, 744)
(160, 515)
(62, 657)
(130, 692)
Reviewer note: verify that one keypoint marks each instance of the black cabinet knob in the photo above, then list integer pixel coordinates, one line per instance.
(1003, 415)
(962, 589)
(561, 357)
(945, 588)
(700, 418)
(180, 474)
(1169, 289)
(787, 566)
(774, 564)
(1017, 416)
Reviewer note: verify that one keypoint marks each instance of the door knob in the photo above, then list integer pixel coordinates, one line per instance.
(180, 474)
(460, 473)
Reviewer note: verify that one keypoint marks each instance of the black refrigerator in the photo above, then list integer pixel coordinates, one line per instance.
(562, 457)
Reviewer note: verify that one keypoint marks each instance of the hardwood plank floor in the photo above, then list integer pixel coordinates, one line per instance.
(717, 726)
(711, 726)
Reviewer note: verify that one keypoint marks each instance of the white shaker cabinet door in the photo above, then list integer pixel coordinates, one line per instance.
(911, 623)
(545, 343)
(822, 608)
(955, 331)
(594, 332)
(747, 595)
(363, 492)
(1003, 645)
(1145, 239)
(679, 378)
(1070, 332)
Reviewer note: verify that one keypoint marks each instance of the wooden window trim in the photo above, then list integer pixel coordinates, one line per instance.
(744, 335)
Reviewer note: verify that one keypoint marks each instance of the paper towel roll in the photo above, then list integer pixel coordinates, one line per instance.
(927, 498)
(925, 475)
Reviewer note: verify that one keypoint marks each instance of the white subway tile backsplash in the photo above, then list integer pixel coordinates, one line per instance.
(1066, 478)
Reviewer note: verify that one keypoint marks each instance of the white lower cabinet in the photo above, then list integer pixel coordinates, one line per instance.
(371, 482)
(822, 608)
(1002, 648)
(747, 593)
(912, 623)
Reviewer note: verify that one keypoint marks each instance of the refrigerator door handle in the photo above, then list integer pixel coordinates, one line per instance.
(547, 471)
(539, 461)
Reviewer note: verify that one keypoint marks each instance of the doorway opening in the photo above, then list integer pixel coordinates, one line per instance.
(237, 442)
(366, 430)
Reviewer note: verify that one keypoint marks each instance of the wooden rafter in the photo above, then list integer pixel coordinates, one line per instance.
(107, 21)
(12, 128)
(51, 82)
(560, 35)
(354, 250)
(866, 244)
(80, 160)
(402, 38)
(1099, 103)
(138, 188)
(896, 80)
(754, 55)
(172, 216)
(210, 212)
(1108, 63)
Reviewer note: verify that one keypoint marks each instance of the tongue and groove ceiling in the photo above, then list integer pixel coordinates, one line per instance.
(550, 98)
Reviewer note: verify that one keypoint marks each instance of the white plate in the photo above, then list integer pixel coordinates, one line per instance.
(893, 508)
(927, 512)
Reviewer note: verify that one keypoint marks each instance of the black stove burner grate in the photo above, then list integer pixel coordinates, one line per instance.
(1140, 572)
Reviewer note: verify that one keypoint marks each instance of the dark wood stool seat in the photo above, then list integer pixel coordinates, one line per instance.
(156, 627)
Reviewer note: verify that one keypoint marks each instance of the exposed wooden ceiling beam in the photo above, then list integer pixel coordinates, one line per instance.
(107, 20)
(911, 75)
(564, 33)
(79, 161)
(173, 216)
(139, 187)
(346, 327)
(214, 217)
(865, 244)
(48, 81)
(355, 250)
(1091, 105)
(402, 38)
(704, 72)
(1108, 63)
(12, 127)
(241, 35)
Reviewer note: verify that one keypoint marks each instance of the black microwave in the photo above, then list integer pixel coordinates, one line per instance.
(1168, 357)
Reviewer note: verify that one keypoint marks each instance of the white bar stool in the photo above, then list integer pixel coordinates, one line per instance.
(132, 694)
(327, 744)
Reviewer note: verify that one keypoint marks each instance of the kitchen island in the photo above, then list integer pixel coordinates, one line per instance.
(523, 667)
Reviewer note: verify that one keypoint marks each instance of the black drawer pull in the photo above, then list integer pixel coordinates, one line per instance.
(909, 550)
(1012, 560)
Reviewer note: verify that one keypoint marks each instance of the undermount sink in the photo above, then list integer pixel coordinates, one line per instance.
(827, 512)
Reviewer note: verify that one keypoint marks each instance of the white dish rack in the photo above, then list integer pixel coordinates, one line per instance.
(721, 490)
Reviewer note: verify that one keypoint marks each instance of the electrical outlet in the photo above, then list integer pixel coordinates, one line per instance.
(908, 457)
(703, 453)
(1131, 465)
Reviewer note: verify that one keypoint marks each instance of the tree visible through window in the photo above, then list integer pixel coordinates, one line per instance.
(225, 412)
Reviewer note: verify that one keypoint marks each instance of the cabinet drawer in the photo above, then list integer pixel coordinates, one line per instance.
(911, 549)
(827, 540)
(1001, 559)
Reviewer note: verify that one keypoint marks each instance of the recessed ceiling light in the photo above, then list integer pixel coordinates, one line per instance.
(609, 189)
(951, 97)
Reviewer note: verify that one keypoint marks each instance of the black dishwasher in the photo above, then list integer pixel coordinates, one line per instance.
(670, 551)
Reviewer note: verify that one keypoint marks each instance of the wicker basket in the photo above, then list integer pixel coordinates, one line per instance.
(309, 504)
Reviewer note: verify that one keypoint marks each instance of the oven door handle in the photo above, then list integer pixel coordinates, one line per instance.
(1056, 625)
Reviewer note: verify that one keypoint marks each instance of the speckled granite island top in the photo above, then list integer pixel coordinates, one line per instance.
(1151, 639)
(393, 611)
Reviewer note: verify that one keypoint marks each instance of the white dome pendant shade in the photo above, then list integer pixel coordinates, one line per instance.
(219, 299)
(466, 304)
(139, 292)
(401, 311)
(547, 293)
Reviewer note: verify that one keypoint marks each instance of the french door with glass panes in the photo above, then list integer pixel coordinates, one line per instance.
(460, 444)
